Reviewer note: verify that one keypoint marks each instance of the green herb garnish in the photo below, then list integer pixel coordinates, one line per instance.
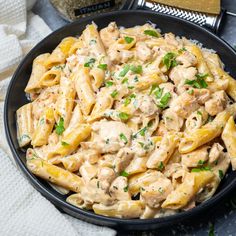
(123, 138)
(102, 66)
(123, 116)
(153, 87)
(108, 83)
(128, 39)
(124, 71)
(152, 33)
(126, 189)
(221, 174)
(169, 60)
(114, 93)
(198, 83)
(124, 173)
(124, 81)
(190, 91)
(211, 230)
(90, 63)
(158, 92)
(60, 126)
(64, 143)
(136, 69)
(204, 168)
(199, 113)
(160, 166)
(164, 100)
(128, 99)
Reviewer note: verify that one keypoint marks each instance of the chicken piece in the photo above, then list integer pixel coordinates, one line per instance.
(109, 136)
(123, 159)
(179, 74)
(143, 52)
(157, 191)
(109, 34)
(186, 59)
(162, 130)
(105, 176)
(172, 120)
(88, 171)
(217, 103)
(171, 40)
(196, 158)
(147, 105)
(125, 55)
(215, 153)
(184, 105)
(202, 95)
(119, 189)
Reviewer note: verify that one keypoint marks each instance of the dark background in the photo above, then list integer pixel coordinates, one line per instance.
(223, 216)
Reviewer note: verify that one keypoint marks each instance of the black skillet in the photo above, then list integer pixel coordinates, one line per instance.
(16, 97)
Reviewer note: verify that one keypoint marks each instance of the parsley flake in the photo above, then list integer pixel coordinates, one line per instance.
(164, 100)
(102, 66)
(126, 189)
(136, 69)
(169, 60)
(123, 116)
(160, 166)
(128, 39)
(124, 173)
(60, 126)
(123, 138)
(108, 83)
(64, 143)
(221, 174)
(114, 93)
(152, 33)
(90, 63)
(124, 71)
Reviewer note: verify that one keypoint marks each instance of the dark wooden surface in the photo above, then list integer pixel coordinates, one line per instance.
(223, 216)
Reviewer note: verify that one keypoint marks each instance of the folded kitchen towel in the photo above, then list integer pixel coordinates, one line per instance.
(23, 210)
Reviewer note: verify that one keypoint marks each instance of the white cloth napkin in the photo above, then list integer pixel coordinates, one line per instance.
(23, 210)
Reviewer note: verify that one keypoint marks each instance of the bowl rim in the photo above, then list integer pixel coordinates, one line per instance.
(181, 216)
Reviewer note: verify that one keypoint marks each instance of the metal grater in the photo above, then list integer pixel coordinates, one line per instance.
(210, 21)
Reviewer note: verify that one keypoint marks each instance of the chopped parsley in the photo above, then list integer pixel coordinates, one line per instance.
(210, 119)
(102, 66)
(158, 92)
(108, 83)
(211, 230)
(123, 116)
(152, 33)
(136, 69)
(128, 39)
(126, 189)
(199, 113)
(60, 126)
(201, 162)
(114, 93)
(143, 131)
(160, 166)
(221, 174)
(98, 184)
(130, 87)
(128, 99)
(164, 100)
(123, 138)
(124, 81)
(90, 63)
(124, 71)
(124, 173)
(64, 143)
(201, 76)
(153, 87)
(204, 168)
(190, 91)
(169, 60)
(182, 50)
(197, 83)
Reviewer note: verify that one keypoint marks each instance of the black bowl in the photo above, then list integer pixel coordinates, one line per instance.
(16, 97)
